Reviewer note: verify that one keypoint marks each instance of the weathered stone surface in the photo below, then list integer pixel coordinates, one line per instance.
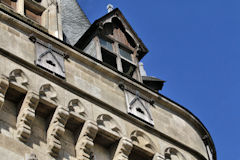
(158, 156)
(26, 116)
(123, 150)
(3, 89)
(56, 130)
(85, 143)
(90, 92)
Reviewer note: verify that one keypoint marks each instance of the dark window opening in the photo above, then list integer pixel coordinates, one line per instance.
(128, 68)
(109, 58)
(137, 154)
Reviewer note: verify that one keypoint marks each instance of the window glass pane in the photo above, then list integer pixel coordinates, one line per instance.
(106, 44)
(125, 54)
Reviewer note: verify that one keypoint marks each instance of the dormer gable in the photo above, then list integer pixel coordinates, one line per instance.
(112, 40)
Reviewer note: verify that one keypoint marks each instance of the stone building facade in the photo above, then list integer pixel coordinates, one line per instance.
(71, 90)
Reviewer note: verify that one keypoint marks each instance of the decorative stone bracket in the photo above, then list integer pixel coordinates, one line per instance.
(56, 130)
(85, 141)
(4, 84)
(124, 149)
(26, 116)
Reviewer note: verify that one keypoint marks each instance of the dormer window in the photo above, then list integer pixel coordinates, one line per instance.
(114, 53)
(116, 44)
(9, 3)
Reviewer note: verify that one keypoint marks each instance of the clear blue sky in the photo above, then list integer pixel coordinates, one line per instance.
(194, 46)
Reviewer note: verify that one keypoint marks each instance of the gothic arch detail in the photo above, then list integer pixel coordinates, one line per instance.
(77, 108)
(47, 92)
(173, 154)
(141, 140)
(19, 78)
(107, 122)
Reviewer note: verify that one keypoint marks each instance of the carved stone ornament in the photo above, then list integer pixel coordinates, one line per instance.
(49, 58)
(123, 149)
(26, 116)
(173, 154)
(158, 156)
(141, 140)
(48, 93)
(138, 107)
(77, 109)
(31, 156)
(85, 143)
(4, 84)
(56, 129)
(19, 80)
(108, 123)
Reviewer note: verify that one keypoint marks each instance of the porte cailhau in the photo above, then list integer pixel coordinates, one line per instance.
(72, 90)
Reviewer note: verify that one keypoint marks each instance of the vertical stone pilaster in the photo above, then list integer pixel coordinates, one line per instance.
(4, 84)
(26, 116)
(85, 143)
(20, 7)
(53, 19)
(123, 149)
(56, 130)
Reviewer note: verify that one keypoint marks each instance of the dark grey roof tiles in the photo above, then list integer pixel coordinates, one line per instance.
(74, 21)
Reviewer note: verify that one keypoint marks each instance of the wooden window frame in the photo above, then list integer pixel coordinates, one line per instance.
(116, 52)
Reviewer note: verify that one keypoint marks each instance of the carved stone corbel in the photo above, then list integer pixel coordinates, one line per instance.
(123, 150)
(26, 116)
(3, 89)
(56, 130)
(158, 156)
(85, 141)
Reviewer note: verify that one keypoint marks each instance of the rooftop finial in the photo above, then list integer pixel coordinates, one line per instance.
(142, 70)
(110, 8)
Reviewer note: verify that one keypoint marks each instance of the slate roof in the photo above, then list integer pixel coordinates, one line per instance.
(74, 21)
